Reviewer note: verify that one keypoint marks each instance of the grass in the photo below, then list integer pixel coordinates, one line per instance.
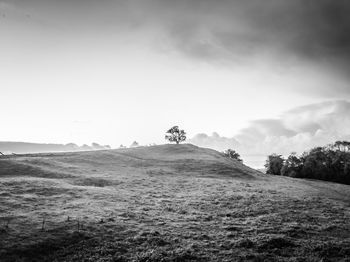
(165, 203)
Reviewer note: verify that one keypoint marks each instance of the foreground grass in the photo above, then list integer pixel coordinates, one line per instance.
(124, 208)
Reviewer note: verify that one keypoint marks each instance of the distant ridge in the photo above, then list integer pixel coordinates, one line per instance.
(25, 147)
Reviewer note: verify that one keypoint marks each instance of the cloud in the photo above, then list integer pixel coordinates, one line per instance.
(317, 30)
(332, 117)
(214, 141)
(311, 36)
(221, 29)
(4, 6)
(297, 130)
(306, 42)
(259, 129)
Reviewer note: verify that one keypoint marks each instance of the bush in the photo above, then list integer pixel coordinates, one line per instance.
(230, 153)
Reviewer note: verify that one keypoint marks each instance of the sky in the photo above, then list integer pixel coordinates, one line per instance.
(259, 76)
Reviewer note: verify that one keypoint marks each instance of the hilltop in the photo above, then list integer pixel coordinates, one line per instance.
(165, 203)
(164, 159)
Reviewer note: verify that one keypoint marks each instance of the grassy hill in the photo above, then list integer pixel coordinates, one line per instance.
(165, 203)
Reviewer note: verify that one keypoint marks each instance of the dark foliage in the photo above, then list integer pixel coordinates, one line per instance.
(274, 164)
(292, 166)
(330, 163)
(176, 135)
(230, 153)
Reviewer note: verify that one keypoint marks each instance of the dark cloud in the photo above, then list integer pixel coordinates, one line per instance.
(223, 28)
(281, 33)
(313, 29)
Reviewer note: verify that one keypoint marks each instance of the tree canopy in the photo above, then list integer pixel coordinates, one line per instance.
(274, 164)
(176, 135)
(331, 163)
(230, 153)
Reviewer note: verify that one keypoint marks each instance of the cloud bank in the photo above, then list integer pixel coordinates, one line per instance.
(308, 39)
(231, 30)
(314, 31)
(296, 130)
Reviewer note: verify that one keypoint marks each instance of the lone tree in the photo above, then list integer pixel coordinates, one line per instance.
(230, 153)
(176, 135)
(134, 144)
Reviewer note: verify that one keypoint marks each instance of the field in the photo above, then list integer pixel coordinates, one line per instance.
(165, 203)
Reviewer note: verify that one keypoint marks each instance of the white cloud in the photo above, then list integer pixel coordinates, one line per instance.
(296, 130)
(214, 141)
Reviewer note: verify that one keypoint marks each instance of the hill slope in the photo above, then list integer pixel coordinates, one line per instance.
(165, 159)
(164, 203)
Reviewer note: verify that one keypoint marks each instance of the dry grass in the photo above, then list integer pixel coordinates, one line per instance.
(165, 203)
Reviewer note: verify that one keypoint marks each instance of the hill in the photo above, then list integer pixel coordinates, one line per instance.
(165, 203)
(25, 148)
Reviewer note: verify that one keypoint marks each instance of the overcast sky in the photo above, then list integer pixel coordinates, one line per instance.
(115, 71)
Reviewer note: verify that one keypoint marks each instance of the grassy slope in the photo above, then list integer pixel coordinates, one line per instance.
(165, 203)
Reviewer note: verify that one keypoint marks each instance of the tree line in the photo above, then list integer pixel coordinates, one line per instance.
(330, 163)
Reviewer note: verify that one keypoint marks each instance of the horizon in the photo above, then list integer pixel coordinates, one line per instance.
(256, 161)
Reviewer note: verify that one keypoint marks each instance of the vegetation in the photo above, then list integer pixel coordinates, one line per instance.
(274, 164)
(134, 144)
(230, 153)
(166, 203)
(176, 135)
(330, 163)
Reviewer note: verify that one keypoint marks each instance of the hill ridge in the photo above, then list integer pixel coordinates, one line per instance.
(177, 159)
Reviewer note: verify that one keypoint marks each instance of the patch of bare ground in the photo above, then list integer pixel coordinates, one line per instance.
(156, 211)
